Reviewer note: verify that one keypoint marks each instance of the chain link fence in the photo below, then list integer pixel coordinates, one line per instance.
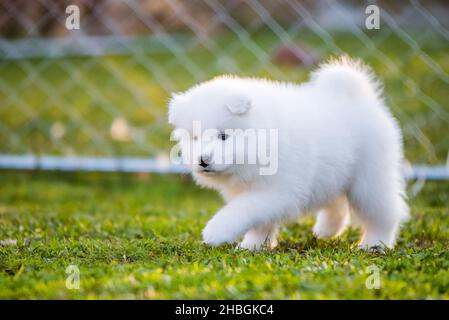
(98, 94)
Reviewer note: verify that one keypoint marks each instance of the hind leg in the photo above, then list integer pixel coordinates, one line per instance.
(333, 219)
(379, 206)
(257, 237)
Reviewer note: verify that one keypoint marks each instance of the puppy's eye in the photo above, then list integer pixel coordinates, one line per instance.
(223, 136)
(195, 138)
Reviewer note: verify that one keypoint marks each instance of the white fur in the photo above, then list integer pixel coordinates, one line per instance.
(340, 151)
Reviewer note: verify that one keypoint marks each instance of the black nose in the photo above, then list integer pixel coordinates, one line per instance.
(203, 163)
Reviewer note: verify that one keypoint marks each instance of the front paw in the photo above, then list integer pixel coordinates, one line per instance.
(251, 245)
(218, 232)
(258, 242)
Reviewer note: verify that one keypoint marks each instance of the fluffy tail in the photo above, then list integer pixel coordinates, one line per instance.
(347, 76)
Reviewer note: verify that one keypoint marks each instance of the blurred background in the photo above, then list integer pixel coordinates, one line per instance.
(102, 90)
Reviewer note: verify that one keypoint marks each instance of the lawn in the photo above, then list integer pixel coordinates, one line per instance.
(139, 236)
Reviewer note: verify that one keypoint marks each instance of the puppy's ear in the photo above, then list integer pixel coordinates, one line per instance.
(239, 106)
(175, 100)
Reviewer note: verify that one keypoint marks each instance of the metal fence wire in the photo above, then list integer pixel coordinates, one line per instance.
(102, 90)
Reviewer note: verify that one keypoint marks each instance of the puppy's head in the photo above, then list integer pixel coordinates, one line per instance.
(209, 119)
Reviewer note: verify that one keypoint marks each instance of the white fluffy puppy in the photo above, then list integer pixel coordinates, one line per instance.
(339, 151)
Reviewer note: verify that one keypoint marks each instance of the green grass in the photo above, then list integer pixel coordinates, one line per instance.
(140, 237)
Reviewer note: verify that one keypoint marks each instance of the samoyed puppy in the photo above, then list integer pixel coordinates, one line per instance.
(336, 150)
